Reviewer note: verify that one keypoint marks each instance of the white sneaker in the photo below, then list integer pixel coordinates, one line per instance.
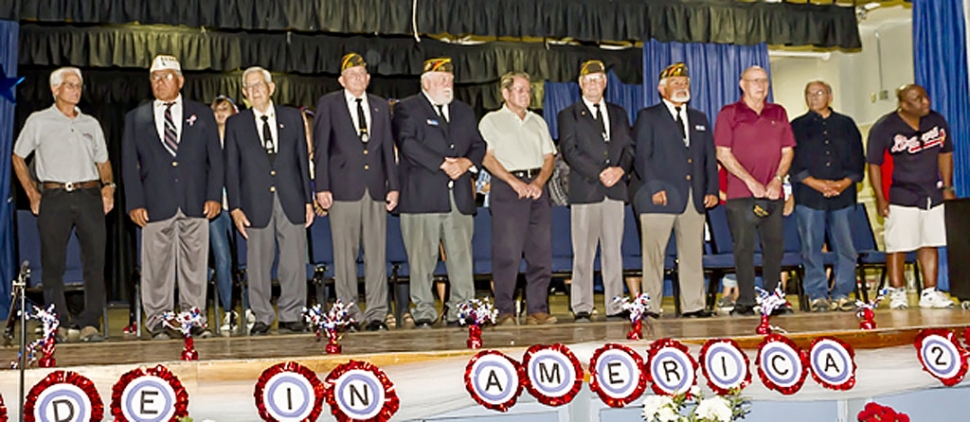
(250, 320)
(932, 298)
(229, 323)
(898, 299)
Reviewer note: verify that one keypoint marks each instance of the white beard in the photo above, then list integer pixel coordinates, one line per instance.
(681, 96)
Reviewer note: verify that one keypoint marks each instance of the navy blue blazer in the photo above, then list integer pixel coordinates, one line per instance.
(250, 179)
(161, 183)
(423, 142)
(587, 154)
(345, 165)
(664, 163)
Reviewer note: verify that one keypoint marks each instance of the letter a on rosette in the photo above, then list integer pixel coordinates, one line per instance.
(833, 363)
(616, 375)
(670, 367)
(494, 380)
(553, 374)
(149, 394)
(725, 366)
(941, 355)
(63, 396)
(782, 366)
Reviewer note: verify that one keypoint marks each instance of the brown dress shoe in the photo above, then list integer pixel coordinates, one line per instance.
(505, 319)
(541, 318)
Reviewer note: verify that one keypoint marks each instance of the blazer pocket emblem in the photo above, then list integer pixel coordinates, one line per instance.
(432, 122)
(700, 128)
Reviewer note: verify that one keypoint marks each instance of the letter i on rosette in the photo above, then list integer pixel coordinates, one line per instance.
(866, 311)
(769, 302)
(474, 313)
(637, 308)
(328, 323)
(185, 321)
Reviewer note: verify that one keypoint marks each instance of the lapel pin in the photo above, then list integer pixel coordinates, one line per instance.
(191, 120)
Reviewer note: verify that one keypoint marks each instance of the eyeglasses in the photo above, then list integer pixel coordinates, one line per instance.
(168, 76)
(72, 86)
(819, 93)
(760, 81)
(519, 90)
(260, 86)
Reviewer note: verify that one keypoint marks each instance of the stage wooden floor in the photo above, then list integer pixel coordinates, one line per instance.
(239, 358)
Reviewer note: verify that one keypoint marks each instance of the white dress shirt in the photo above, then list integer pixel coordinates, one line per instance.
(176, 118)
(683, 115)
(606, 114)
(273, 127)
(352, 107)
(434, 106)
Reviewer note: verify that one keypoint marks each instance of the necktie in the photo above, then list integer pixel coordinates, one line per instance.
(680, 124)
(171, 136)
(599, 118)
(268, 140)
(362, 122)
(444, 119)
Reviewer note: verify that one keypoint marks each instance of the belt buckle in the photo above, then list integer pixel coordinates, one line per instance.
(70, 186)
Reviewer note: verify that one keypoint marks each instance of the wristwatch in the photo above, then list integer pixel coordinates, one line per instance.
(111, 185)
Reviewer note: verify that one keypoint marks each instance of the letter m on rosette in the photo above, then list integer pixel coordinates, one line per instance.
(671, 369)
(553, 374)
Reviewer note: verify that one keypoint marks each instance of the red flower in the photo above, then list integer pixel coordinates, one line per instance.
(874, 412)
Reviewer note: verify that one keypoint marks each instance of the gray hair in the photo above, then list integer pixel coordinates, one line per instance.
(828, 88)
(57, 76)
(508, 79)
(267, 77)
(752, 68)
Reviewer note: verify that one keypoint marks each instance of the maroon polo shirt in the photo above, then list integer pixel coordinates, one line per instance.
(755, 140)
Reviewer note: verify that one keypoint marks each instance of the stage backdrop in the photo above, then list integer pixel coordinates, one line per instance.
(559, 95)
(9, 33)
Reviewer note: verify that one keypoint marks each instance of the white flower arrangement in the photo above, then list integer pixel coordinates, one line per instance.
(693, 407)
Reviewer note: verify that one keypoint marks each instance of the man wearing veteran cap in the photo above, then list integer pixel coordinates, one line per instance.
(356, 178)
(676, 161)
(173, 171)
(439, 143)
(520, 156)
(595, 139)
(270, 200)
(755, 144)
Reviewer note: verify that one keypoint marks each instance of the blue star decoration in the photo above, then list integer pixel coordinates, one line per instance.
(7, 85)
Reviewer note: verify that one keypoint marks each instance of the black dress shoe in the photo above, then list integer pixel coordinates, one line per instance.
(742, 310)
(423, 324)
(294, 327)
(703, 313)
(353, 327)
(199, 332)
(583, 317)
(622, 316)
(259, 329)
(376, 325)
(782, 310)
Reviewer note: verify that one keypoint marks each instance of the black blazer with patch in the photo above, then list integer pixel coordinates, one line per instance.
(588, 154)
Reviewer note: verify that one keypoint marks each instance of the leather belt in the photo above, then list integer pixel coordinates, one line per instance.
(72, 186)
(526, 174)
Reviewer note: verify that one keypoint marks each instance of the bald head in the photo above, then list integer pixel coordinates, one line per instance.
(913, 101)
(754, 82)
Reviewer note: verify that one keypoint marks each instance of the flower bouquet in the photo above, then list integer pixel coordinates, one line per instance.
(694, 407)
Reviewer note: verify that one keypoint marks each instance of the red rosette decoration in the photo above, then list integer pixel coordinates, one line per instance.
(310, 392)
(725, 366)
(832, 363)
(787, 365)
(64, 385)
(553, 374)
(474, 337)
(3, 410)
(660, 356)
(376, 405)
(631, 384)
(941, 355)
(499, 371)
(171, 395)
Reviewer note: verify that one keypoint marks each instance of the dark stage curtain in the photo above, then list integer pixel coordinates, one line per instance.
(706, 21)
(8, 261)
(134, 47)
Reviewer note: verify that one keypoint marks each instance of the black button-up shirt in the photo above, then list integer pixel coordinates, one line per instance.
(827, 149)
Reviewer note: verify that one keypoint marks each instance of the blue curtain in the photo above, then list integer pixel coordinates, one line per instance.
(9, 40)
(940, 62)
(559, 95)
(714, 70)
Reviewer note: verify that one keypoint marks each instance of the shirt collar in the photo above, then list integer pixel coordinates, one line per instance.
(813, 113)
(58, 111)
(271, 113)
(591, 105)
(505, 109)
(177, 102)
(672, 108)
(433, 103)
(351, 99)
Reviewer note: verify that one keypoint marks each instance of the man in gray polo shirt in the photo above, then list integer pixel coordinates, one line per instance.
(520, 157)
(76, 191)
